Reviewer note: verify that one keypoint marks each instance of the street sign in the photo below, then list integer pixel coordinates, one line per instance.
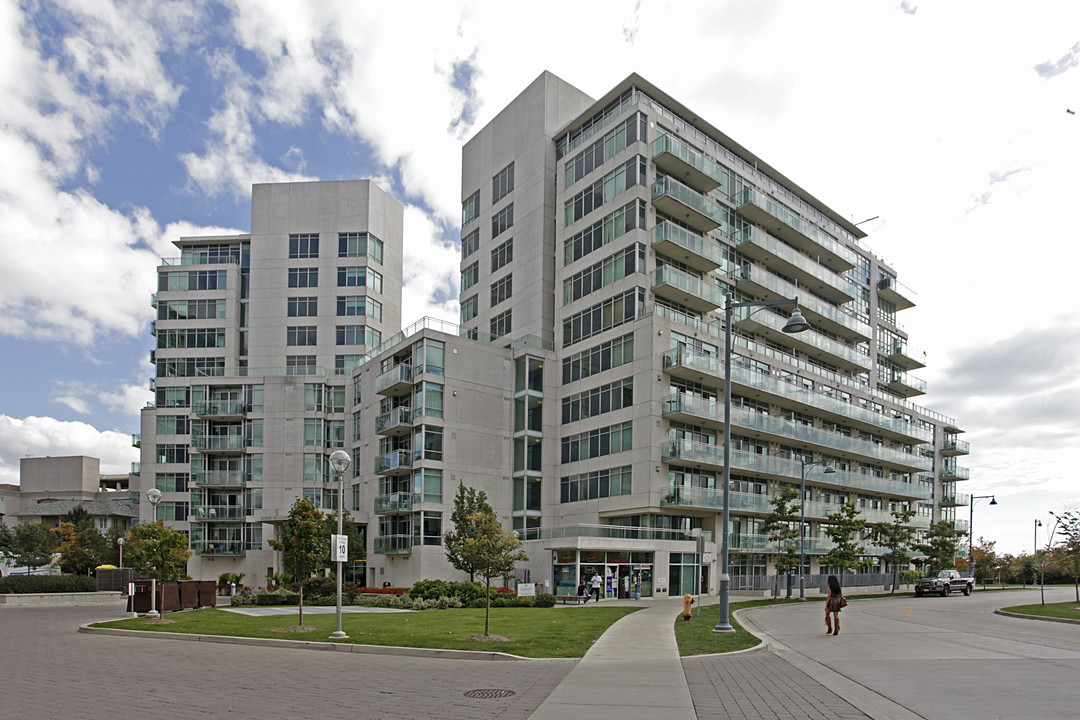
(339, 548)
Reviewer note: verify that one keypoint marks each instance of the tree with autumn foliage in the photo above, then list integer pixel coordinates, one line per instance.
(82, 548)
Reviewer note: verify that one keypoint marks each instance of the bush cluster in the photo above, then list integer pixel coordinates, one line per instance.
(47, 584)
(466, 592)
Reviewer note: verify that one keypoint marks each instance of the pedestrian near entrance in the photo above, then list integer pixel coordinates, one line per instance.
(833, 603)
(597, 581)
(582, 591)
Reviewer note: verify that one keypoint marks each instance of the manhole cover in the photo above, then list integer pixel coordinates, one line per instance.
(488, 693)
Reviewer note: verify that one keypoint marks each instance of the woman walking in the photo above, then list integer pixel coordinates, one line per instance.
(833, 603)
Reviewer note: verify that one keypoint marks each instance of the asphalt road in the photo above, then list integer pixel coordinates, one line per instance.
(935, 657)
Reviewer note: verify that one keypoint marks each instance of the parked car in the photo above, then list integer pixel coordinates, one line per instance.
(943, 582)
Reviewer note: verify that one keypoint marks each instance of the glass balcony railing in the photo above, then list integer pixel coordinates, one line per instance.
(955, 473)
(136, 440)
(761, 208)
(396, 502)
(683, 495)
(687, 205)
(392, 462)
(220, 408)
(217, 547)
(677, 158)
(217, 512)
(686, 289)
(835, 317)
(219, 478)
(691, 249)
(394, 378)
(398, 419)
(614, 532)
(843, 355)
(811, 545)
(953, 446)
(393, 544)
(902, 354)
(687, 451)
(905, 384)
(757, 243)
(216, 443)
(896, 293)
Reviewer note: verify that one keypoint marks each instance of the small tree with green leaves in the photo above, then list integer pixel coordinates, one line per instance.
(468, 503)
(897, 537)
(158, 551)
(1069, 547)
(82, 548)
(6, 538)
(986, 559)
(843, 529)
(489, 549)
(781, 526)
(940, 544)
(32, 545)
(304, 544)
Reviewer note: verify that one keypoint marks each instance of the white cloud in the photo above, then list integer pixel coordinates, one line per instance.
(127, 399)
(43, 436)
(430, 271)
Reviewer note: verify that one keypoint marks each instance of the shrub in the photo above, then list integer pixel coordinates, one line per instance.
(320, 586)
(277, 597)
(434, 589)
(544, 600)
(321, 600)
(47, 584)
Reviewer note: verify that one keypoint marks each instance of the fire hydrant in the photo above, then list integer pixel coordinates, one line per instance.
(687, 600)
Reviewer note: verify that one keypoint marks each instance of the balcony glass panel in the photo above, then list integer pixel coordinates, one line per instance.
(392, 544)
(792, 222)
(820, 277)
(684, 160)
(704, 214)
(837, 317)
(686, 289)
(396, 502)
(692, 249)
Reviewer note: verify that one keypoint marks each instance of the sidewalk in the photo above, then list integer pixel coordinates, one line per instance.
(632, 672)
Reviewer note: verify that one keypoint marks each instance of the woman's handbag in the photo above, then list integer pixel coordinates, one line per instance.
(843, 601)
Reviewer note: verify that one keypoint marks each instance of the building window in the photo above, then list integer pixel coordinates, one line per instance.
(502, 183)
(501, 290)
(344, 365)
(470, 243)
(470, 209)
(299, 364)
(606, 189)
(602, 316)
(597, 443)
(596, 484)
(360, 245)
(303, 306)
(303, 277)
(596, 401)
(299, 335)
(468, 308)
(350, 334)
(502, 220)
(503, 254)
(303, 245)
(359, 277)
(469, 276)
(601, 232)
(599, 358)
(500, 324)
(609, 270)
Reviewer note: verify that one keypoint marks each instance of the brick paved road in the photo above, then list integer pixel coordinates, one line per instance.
(49, 670)
(758, 686)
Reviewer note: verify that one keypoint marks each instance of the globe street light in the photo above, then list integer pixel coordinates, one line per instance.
(795, 324)
(154, 496)
(971, 517)
(340, 462)
(829, 470)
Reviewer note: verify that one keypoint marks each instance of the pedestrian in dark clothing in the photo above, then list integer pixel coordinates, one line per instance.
(833, 603)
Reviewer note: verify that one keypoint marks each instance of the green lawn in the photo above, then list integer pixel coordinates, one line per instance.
(1069, 610)
(695, 636)
(531, 632)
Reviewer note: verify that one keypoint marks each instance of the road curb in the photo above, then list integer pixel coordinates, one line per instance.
(1037, 617)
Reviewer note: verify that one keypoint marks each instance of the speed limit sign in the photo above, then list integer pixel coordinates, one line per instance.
(340, 551)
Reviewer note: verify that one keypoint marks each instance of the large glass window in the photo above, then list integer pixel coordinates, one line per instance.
(502, 289)
(359, 277)
(502, 220)
(303, 306)
(303, 277)
(502, 183)
(469, 276)
(502, 254)
(301, 335)
(360, 245)
(470, 208)
(501, 324)
(468, 308)
(470, 243)
(303, 245)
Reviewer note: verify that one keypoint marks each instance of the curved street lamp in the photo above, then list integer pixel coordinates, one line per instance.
(340, 462)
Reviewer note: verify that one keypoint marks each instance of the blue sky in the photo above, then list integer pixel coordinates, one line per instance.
(126, 124)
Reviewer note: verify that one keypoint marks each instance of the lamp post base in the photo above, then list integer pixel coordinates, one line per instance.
(338, 635)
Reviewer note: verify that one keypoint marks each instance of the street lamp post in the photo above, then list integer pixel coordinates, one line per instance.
(1049, 542)
(1035, 554)
(120, 542)
(154, 496)
(971, 517)
(829, 469)
(795, 324)
(340, 462)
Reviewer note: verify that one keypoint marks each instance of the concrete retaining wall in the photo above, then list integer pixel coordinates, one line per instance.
(60, 599)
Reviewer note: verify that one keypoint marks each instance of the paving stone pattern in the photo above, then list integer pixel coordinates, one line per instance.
(50, 670)
(760, 686)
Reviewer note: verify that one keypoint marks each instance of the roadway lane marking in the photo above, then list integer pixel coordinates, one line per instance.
(977, 627)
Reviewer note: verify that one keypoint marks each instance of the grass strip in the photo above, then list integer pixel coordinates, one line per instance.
(530, 632)
(1068, 610)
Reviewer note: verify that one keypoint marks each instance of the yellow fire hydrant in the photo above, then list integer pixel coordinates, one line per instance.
(687, 600)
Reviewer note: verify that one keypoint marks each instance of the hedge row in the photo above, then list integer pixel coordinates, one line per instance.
(21, 584)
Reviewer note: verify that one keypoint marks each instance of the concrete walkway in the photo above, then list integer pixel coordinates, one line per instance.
(632, 672)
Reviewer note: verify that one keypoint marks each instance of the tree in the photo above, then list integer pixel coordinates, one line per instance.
(490, 550)
(82, 548)
(304, 543)
(844, 526)
(468, 503)
(940, 544)
(112, 544)
(78, 516)
(782, 527)
(32, 545)
(357, 551)
(986, 559)
(157, 551)
(6, 537)
(897, 538)
(1069, 547)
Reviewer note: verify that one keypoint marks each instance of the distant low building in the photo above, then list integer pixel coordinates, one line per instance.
(106, 512)
(49, 487)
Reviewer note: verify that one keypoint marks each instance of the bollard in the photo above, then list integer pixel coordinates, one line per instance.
(686, 602)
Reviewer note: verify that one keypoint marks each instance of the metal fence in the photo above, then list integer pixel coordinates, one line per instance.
(777, 584)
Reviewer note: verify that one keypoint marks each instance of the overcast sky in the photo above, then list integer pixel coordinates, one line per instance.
(124, 125)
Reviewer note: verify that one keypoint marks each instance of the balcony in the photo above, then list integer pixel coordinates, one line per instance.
(216, 512)
(398, 421)
(764, 285)
(219, 478)
(220, 409)
(953, 447)
(398, 462)
(673, 198)
(757, 244)
(679, 160)
(702, 454)
(217, 547)
(902, 355)
(701, 254)
(393, 545)
(955, 473)
(218, 443)
(395, 381)
(811, 545)
(890, 290)
(396, 502)
(136, 468)
(707, 369)
(710, 413)
(673, 284)
(136, 440)
(687, 496)
(613, 532)
(955, 499)
(834, 352)
(792, 229)
(961, 525)
(905, 385)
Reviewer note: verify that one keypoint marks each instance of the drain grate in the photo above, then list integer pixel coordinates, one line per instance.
(488, 693)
